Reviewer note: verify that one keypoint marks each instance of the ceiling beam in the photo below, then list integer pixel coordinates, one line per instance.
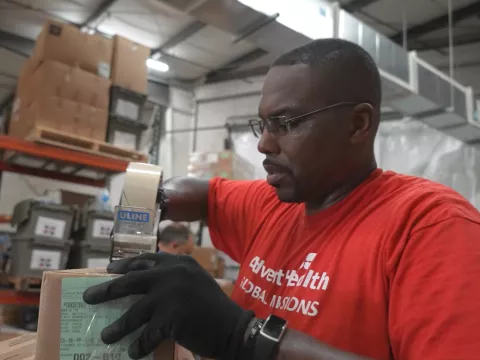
(441, 43)
(463, 65)
(356, 5)
(228, 71)
(16, 44)
(437, 23)
(98, 12)
(235, 75)
(180, 37)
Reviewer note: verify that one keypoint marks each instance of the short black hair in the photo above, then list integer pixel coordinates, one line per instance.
(351, 73)
(174, 232)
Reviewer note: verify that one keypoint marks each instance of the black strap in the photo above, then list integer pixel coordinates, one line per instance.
(251, 338)
(162, 200)
(265, 349)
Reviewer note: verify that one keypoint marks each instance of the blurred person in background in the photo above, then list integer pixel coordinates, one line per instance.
(339, 259)
(175, 238)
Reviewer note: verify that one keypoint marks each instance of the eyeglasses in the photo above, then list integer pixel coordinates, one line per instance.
(281, 125)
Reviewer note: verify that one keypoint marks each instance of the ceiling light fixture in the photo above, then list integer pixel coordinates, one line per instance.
(157, 65)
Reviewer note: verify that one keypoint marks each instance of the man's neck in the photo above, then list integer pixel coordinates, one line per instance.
(339, 193)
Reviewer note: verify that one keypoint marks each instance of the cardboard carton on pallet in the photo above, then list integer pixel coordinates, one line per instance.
(65, 43)
(54, 79)
(61, 114)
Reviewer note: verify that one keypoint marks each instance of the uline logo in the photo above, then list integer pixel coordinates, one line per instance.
(133, 216)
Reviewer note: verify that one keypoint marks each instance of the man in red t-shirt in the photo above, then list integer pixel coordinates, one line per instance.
(339, 259)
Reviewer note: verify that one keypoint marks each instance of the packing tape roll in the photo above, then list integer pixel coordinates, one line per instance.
(141, 185)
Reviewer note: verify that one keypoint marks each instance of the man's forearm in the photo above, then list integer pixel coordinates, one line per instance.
(188, 199)
(296, 345)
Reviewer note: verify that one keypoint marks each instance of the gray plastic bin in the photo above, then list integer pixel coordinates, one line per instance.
(31, 257)
(85, 255)
(95, 227)
(126, 104)
(43, 221)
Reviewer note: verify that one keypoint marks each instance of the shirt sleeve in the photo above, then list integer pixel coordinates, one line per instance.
(434, 310)
(236, 209)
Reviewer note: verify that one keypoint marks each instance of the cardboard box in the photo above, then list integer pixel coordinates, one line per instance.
(54, 79)
(9, 314)
(24, 77)
(67, 44)
(18, 348)
(207, 258)
(224, 164)
(129, 69)
(91, 122)
(62, 115)
(67, 325)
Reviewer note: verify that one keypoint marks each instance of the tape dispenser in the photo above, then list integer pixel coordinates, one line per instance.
(137, 217)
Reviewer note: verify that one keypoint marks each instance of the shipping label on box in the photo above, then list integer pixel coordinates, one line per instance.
(45, 260)
(82, 324)
(50, 227)
(102, 228)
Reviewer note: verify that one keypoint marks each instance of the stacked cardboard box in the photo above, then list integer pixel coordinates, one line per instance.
(65, 84)
(129, 66)
(225, 164)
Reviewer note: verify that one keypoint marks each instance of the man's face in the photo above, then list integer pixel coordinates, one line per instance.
(311, 157)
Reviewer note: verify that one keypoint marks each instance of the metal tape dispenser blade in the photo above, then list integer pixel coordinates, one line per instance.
(138, 215)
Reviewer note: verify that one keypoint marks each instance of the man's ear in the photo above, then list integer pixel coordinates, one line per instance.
(362, 123)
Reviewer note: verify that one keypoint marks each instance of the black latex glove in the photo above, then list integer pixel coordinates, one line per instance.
(182, 302)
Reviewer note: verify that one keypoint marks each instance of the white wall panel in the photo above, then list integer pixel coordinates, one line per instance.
(218, 102)
(216, 112)
(211, 140)
(176, 145)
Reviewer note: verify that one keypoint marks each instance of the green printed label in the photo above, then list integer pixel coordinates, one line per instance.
(81, 324)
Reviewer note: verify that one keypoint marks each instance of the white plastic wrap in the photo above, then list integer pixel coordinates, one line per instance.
(407, 147)
(245, 145)
(413, 148)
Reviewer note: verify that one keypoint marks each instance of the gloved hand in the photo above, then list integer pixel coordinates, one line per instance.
(182, 302)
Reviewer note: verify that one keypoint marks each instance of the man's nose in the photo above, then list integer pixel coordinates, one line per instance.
(268, 143)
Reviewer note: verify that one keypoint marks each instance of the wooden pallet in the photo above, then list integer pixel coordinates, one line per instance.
(65, 140)
(25, 283)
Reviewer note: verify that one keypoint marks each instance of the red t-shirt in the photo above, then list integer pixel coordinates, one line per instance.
(390, 272)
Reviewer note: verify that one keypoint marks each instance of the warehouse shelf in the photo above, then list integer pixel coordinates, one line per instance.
(13, 297)
(57, 163)
(4, 219)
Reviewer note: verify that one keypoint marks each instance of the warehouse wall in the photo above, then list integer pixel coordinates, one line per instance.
(177, 140)
(215, 105)
(219, 102)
